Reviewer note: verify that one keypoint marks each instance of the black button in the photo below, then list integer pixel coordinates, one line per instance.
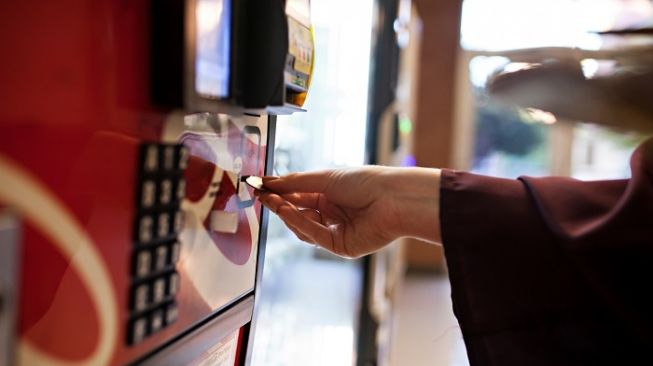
(161, 257)
(182, 157)
(181, 189)
(175, 251)
(145, 229)
(141, 297)
(156, 321)
(138, 330)
(163, 225)
(165, 192)
(172, 312)
(173, 284)
(150, 158)
(159, 290)
(148, 194)
(168, 157)
(143, 263)
(178, 222)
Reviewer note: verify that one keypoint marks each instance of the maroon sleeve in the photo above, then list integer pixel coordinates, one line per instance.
(551, 271)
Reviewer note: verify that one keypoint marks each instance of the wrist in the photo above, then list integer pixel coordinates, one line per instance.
(416, 195)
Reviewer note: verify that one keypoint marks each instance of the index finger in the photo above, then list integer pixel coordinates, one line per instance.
(310, 182)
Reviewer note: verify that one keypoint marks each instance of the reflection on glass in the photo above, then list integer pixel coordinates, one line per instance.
(309, 301)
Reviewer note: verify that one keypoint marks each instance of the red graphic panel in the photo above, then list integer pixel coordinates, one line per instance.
(74, 113)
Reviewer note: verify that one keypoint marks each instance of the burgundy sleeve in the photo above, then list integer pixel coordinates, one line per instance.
(551, 271)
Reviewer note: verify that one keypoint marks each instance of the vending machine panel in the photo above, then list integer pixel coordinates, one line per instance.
(136, 234)
(141, 242)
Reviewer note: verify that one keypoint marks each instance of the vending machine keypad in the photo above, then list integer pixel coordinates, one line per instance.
(155, 281)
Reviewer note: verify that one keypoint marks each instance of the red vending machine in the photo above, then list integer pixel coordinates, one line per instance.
(127, 235)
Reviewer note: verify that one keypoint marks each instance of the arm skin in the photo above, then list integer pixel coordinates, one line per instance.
(354, 212)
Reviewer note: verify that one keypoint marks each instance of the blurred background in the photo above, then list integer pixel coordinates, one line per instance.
(401, 82)
(127, 128)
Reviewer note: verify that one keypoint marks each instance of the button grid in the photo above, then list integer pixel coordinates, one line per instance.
(158, 221)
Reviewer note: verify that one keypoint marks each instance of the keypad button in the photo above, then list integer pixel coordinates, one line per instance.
(159, 290)
(181, 189)
(156, 321)
(151, 160)
(161, 258)
(148, 194)
(161, 187)
(165, 193)
(143, 263)
(163, 227)
(184, 155)
(169, 157)
(172, 312)
(141, 297)
(145, 229)
(173, 284)
(175, 251)
(138, 330)
(178, 221)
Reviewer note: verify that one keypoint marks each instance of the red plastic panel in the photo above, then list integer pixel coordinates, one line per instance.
(74, 110)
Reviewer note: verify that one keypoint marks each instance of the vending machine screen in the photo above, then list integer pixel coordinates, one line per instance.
(212, 63)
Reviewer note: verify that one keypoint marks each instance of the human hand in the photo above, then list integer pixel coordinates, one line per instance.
(353, 212)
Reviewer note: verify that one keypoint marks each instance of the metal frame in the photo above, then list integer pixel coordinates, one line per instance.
(382, 94)
(9, 284)
(263, 236)
(187, 349)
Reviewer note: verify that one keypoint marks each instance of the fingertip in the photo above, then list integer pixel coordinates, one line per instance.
(273, 185)
(265, 201)
(269, 178)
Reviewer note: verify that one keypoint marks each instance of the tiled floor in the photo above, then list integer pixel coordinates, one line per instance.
(308, 312)
(426, 331)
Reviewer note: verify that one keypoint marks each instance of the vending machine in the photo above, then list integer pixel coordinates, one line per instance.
(127, 234)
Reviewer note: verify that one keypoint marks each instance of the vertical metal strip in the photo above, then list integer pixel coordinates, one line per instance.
(9, 284)
(265, 215)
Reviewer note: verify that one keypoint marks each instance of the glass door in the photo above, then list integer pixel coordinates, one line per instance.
(309, 301)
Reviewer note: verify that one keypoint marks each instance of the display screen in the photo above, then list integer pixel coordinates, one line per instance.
(212, 61)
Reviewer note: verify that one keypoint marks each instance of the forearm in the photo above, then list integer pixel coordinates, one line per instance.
(417, 194)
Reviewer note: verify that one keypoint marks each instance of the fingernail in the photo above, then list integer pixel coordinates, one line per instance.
(269, 178)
